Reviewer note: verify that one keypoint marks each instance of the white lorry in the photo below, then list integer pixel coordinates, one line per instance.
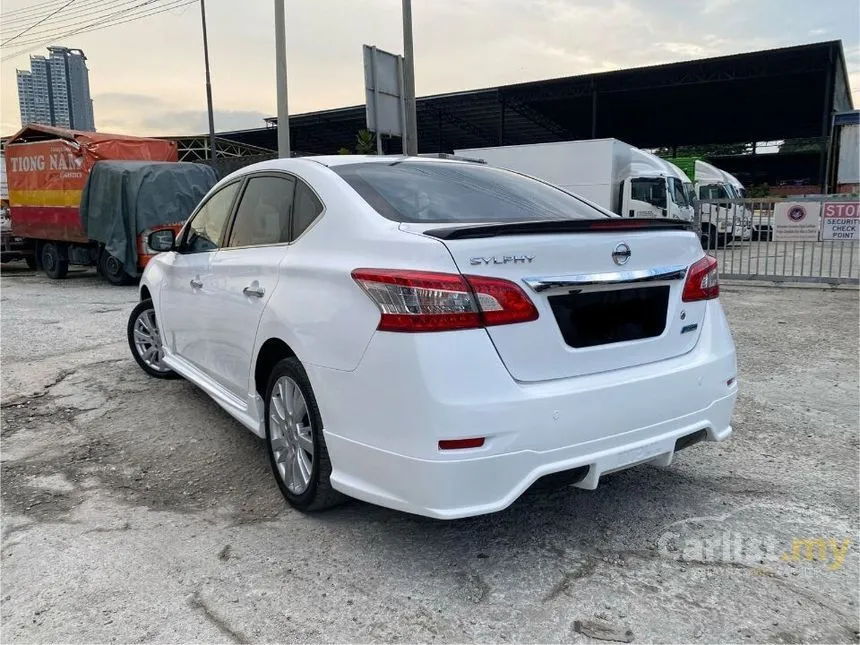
(722, 218)
(613, 174)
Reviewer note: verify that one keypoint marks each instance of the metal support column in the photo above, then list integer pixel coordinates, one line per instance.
(502, 107)
(281, 71)
(409, 81)
(209, 108)
(826, 122)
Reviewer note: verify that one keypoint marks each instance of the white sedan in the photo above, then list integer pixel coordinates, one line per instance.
(435, 335)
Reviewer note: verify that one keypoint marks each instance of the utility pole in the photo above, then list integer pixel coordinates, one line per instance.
(208, 82)
(281, 71)
(411, 124)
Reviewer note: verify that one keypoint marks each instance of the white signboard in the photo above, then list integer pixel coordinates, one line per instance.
(383, 83)
(841, 221)
(796, 221)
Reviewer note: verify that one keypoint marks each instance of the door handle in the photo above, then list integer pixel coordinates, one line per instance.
(196, 284)
(254, 290)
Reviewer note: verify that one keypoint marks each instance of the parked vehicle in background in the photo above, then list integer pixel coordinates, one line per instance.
(4, 185)
(723, 219)
(435, 336)
(46, 170)
(12, 247)
(615, 175)
(124, 201)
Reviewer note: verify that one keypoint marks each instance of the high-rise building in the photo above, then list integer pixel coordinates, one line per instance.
(56, 90)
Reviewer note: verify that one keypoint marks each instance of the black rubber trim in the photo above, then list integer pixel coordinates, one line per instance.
(688, 440)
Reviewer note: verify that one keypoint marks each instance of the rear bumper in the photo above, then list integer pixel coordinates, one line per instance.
(384, 420)
(465, 487)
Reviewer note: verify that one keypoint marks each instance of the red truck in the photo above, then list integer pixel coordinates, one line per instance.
(47, 169)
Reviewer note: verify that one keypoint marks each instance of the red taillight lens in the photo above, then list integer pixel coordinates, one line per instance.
(423, 301)
(501, 301)
(703, 281)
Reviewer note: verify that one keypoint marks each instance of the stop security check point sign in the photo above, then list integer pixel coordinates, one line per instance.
(841, 221)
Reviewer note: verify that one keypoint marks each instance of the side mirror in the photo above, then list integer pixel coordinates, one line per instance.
(161, 240)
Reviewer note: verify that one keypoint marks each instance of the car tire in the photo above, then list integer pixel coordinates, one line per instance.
(54, 264)
(294, 439)
(112, 270)
(143, 335)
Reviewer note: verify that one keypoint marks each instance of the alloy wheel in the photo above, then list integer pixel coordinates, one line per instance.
(291, 435)
(147, 341)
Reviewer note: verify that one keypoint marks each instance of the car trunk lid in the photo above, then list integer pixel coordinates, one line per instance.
(608, 292)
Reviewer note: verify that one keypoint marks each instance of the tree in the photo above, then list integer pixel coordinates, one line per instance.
(758, 190)
(713, 150)
(365, 143)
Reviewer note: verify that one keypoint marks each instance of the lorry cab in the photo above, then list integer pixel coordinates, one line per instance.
(723, 219)
(655, 188)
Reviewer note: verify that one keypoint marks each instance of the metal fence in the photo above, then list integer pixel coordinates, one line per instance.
(783, 240)
(225, 165)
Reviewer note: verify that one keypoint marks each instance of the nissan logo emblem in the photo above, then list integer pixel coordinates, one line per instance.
(621, 254)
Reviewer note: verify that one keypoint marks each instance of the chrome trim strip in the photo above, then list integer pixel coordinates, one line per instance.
(544, 283)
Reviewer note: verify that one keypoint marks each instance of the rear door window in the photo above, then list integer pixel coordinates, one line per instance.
(263, 215)
(437, 192)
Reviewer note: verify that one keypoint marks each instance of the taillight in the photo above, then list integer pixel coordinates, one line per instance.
(423, 301)
(703, 281)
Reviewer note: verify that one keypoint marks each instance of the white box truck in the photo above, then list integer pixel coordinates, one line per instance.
(615, 175)
(723, 217)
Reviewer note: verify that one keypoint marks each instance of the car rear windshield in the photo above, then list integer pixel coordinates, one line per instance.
(446, 192)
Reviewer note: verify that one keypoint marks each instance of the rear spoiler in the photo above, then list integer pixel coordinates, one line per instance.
(542, 227)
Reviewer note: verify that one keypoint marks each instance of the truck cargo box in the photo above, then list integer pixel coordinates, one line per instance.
(47, 167)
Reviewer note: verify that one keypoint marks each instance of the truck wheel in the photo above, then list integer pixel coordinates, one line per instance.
(111, 268)
(709, 237)
(53, 263)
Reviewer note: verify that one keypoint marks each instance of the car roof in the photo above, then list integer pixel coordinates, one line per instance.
(331, 161)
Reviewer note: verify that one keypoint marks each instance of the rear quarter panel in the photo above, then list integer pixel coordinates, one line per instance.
(318, 309)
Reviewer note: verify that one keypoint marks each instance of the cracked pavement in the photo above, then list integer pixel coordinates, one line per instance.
(135, 510)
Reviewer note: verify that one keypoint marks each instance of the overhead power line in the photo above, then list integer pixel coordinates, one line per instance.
(138, 12)
(76, 16)
(81, 7)
(32, 10)
(35, 24)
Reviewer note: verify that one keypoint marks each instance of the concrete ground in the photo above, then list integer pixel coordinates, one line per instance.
(135, 510)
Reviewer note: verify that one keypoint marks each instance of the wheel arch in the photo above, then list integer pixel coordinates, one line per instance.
(270, 353)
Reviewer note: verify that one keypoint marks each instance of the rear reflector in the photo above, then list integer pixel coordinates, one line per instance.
(459, 444)
(424, 301)
(703, 281)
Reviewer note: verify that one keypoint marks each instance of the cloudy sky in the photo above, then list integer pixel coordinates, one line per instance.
(146, 76)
